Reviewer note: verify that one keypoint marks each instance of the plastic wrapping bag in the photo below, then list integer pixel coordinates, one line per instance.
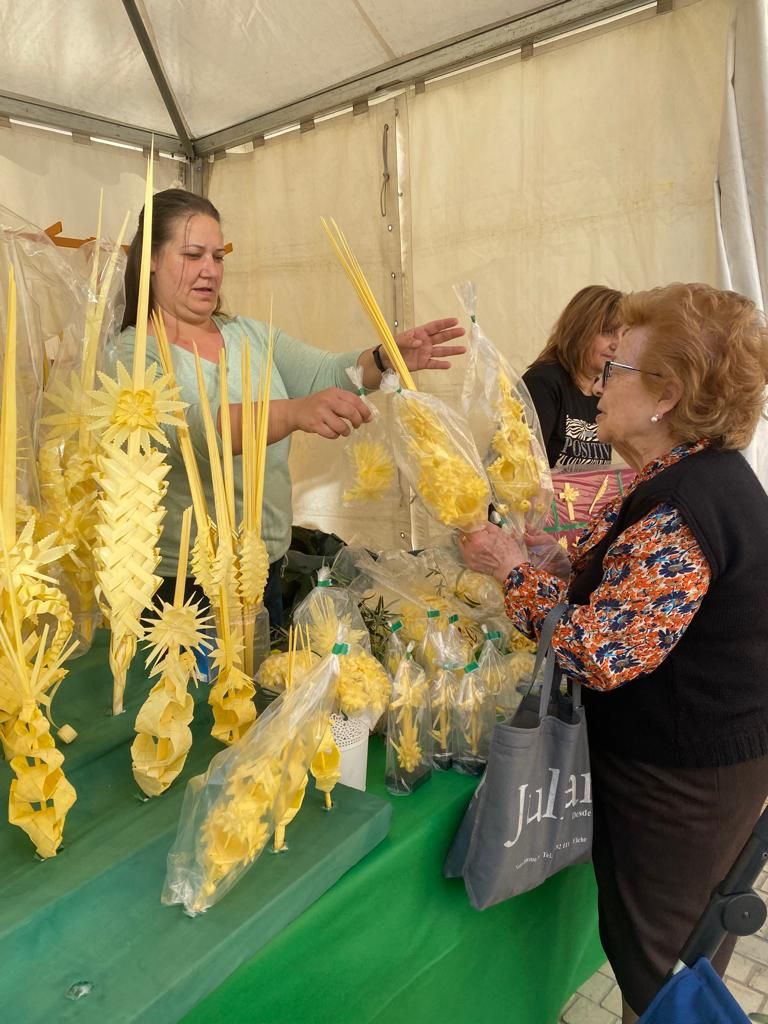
(395, 650)
(436, 453)
(409, 740)
(459, 646)
(443, 690)
(273, 671)
(230, 812)
(372, 473)
(505, 426)
(84, 305)
(474, 719)
(412, 584)
(492, 667)
(328, 615)
(429, 652)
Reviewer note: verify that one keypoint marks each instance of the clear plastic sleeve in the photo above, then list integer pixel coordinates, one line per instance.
(230, 812)
(411, 584)
(371, 473)
(409, 739)
(505, 426)
(394, 650)
(429, 653)
(329, 615)
(436, 453)
(474, 719)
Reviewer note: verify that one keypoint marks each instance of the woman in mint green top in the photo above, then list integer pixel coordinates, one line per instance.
(310, 389)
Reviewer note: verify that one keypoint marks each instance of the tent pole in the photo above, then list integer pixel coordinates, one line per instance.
(198, 176)
(156, 67)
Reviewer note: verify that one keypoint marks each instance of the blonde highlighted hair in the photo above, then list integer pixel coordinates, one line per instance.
(715, 345)
(591, 311)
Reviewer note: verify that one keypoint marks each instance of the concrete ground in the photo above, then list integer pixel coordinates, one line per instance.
(598, 1001)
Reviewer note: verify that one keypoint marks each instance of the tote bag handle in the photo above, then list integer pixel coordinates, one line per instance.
(547, 655)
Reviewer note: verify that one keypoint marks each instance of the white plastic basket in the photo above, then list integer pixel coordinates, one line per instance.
(351, 737)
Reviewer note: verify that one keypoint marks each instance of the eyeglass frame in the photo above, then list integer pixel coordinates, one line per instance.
(610, 363)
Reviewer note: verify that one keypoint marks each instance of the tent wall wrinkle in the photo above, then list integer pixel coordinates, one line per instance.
(741, 188)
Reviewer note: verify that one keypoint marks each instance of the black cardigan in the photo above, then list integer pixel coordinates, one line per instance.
(707, 703)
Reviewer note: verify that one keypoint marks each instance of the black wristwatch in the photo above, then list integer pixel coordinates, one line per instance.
(376, 353)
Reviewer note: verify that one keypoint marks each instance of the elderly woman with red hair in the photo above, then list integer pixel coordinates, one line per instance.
(667, 622)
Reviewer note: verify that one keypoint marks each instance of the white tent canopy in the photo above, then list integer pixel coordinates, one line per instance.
(228, 69)
(570, 153)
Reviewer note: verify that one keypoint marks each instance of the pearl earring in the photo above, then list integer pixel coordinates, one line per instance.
(655, 418)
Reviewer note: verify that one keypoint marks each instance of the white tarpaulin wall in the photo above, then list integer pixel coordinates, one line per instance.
(590, 163)
(47, 177)
(741, 190)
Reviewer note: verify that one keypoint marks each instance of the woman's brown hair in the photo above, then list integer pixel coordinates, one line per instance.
(167, 207)
(591, 311)
(714, 344)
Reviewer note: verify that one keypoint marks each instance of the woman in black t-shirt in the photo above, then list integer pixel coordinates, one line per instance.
(561, 377)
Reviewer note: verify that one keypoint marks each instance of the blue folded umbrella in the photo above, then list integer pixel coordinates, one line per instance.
(695, 995)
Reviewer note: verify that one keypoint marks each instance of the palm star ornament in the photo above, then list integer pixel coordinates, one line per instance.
(120, 409)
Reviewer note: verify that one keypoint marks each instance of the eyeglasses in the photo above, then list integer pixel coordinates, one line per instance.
(610, 363)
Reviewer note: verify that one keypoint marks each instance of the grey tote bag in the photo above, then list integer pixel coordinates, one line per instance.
(531, 815)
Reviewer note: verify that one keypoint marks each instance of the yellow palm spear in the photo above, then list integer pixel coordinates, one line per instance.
(232, 694)
(253, 560)
(131, 413)
(203, 549)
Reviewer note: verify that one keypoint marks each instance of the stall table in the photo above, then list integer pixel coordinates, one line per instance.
(317, 935)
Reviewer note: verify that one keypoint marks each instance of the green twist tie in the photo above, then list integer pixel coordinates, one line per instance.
(324, 583)
(433, 613)
(495, 635)
(471, 667)
(340, 649)
(473, 318)
(361, 392)
(395, 626)
(452, 619)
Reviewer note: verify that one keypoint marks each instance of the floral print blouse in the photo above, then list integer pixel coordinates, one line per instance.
(655, 577)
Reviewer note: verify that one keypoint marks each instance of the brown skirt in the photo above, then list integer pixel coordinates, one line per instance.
(664, 838)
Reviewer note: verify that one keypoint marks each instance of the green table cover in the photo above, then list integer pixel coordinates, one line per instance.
(394, 943)
(93, 914)
(391, 940)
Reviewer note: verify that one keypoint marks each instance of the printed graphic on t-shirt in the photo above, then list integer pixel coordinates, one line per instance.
(581, 445)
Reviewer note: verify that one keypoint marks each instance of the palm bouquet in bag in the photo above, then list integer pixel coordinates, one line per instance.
(433, 446)
(506, 428)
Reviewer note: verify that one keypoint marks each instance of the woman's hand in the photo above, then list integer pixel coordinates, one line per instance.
(546, 553)
(492, 551)
(424, 347)
(330, 413)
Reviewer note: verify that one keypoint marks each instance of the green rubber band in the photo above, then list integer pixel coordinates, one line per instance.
(452, 619)
(340, 649)
(395, 626)
(471, 667)
(433, 613)
(324, 583)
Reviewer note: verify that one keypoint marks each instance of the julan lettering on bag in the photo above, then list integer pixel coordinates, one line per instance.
(572, 795)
